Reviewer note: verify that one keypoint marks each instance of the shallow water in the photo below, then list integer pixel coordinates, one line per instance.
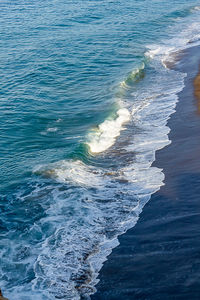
(85, 99)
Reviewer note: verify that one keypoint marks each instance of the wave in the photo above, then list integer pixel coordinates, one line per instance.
(134, 76)
(167, 50)
(97, 204)
(104, 136)
(195, 8)
(71, 258)
(67, 171)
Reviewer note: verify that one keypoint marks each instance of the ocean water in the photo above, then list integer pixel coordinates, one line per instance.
(86, 92)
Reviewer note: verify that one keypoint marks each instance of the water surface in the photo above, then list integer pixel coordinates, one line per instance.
(85, 99)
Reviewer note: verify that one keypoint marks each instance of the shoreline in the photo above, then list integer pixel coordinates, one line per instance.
(158, 258)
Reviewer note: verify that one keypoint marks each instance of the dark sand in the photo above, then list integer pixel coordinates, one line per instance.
(160, 257)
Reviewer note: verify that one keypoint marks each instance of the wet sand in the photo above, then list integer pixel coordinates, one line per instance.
(159, 258)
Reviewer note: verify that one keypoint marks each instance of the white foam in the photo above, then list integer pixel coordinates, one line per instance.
(196, 8)
(58, 120)
(71, 171)
(52, 129)
(103, 207)
(156, 50)
(188, 33)
(105, 135)
(83, 240)
(48, 130)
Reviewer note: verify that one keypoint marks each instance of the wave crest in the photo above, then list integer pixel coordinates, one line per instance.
(106, 133)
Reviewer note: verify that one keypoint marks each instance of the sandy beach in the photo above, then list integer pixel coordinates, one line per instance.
(159, 258)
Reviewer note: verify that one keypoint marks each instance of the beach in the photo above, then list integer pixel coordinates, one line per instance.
(159, 258)
(99, 143)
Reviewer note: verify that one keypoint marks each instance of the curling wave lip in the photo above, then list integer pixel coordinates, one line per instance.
(105, 135)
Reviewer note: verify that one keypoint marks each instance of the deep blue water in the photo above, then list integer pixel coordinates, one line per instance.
(85, 99)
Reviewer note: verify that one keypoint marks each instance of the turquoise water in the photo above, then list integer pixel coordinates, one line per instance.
(85, 99)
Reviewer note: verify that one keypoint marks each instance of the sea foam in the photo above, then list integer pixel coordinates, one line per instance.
(104, 136)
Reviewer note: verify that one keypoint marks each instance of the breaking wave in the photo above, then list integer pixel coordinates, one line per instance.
(104, 136)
